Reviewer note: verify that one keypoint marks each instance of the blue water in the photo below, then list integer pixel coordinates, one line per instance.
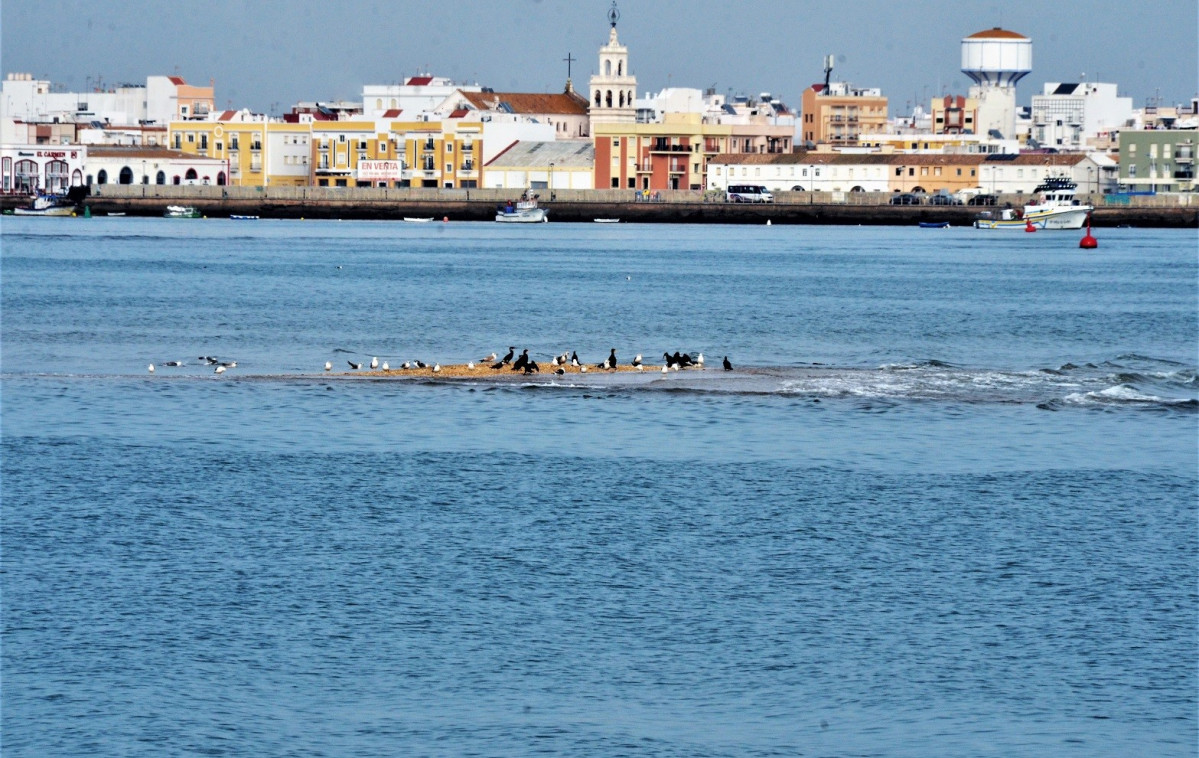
(946, 504)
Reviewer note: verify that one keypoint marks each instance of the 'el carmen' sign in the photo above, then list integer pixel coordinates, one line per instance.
(57, 154)
(381, 170)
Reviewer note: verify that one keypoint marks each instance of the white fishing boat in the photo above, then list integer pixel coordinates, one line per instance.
(416, 220)
(524, 211)
(46, 205)
(607, 220)
(1056, 207)
(181, 211)
(238, 217)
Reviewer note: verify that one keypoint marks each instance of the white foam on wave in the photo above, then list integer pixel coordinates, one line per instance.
(1121, 393)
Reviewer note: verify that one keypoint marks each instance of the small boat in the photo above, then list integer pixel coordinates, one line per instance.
(607, 221)
(116, 213)
(1056, 208)
(416, 220)
(181, 211)
(242, 218)
(46, 205)
(524, 211)
(934, 224)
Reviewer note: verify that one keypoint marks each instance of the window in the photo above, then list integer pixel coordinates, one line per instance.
(616, 142)
(959, 172)
(220, 146)
(449, 168)
(178, 140)
(449, 147)
(233, 142)
(203, 141)
(190, 138)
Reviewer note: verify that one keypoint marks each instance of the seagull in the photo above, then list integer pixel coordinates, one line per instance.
(328, 365)
(436, 368)
(640, 367)
(173, 363)
(374, 363)
(637, 360)
(354, 366)
(421, 364)
(491, 357)
(574, 358)
(665, 369)
(470, 366)
(497, 365)
(582, 369)
(699, 361)
(151, 368)
(219, 369)
(727, 366)
(560, 371)
(508, 358)
(229, 364)
(406, 365)
(386, 367)
(554, 361)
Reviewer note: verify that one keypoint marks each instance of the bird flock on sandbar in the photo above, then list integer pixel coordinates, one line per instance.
(522, 364)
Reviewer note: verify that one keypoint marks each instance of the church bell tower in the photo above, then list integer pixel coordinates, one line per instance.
(613, 88)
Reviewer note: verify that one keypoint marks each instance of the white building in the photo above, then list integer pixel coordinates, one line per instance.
(25, 169)
(1066, 115)
(555, 165)
(418, 94)
(613, 88)
(144, 165)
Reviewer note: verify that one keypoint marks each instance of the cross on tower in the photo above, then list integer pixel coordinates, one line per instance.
(569, 60)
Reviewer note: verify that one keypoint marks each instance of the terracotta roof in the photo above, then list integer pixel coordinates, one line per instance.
(418, 81)
(561, 103)
(159, 153)
(177, 80)
(393, 113)
(459, 113)
(996, 33)
(851, 159)
(1039, 159)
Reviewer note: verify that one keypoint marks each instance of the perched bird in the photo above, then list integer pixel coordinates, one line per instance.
(681, 360)
(699, 361)
(612, 359)
(173, 363)
(229, 364)
(532, 367)
(727, 366)
(406, 365)
(151, 368)
(637, 360)
(470, 366)
(491, 357)
(574, 358)
(354, 366)
(560, 371)
(665, 368)
(497, 365)
(522, 361)
(219, 370)
(421, 364)
(675, 367)
(508, 358)
(582, 369)
(386, 367)
(374, 363)
(328, 365)
(554, 361)
(436, 368)
(668, 358)
(640, 367)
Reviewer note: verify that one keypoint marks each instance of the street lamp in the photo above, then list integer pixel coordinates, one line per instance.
(551, 180)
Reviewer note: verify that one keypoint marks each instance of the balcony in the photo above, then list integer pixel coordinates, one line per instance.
(1184, 155)
(662, 147)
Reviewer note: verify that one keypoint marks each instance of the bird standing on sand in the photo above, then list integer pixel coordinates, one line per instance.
(328, 365)
(669, 360)
(531, 367)
(374, 363)
(436, 368)
(699, 361)
(386, 367)
(522, 361)
(612, 359)
(637, 360)
(470, 366)
(354, 366)
(574, 358)
(508, 358)
(560, 371)
(727, 366)
(491, 357)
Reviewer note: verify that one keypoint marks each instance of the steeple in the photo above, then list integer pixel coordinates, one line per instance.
(613, 88)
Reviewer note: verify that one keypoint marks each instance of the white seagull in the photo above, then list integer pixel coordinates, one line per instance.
(386, 367)
(436, 368)
(582, 369)
(664, 369)
(491, 357)
(219, 370)
(328, 365)
(470, 366)
(151, 368)
(699, 361)
(374, 363)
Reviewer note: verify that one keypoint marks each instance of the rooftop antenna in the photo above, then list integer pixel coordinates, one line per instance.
(828, 71)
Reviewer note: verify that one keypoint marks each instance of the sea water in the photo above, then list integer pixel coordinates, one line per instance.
(945, 503)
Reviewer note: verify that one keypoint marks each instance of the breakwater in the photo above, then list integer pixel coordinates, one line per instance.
(1173, 211)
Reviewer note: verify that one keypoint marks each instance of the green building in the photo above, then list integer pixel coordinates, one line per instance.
(1158, 160)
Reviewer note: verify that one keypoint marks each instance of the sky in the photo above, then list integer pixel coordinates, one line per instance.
(267, 55)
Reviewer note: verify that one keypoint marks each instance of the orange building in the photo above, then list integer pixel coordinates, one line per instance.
(841, 114)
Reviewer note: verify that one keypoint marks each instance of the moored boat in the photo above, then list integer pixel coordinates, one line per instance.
(524, 211)
(417, 220)
(46, 205)
(181, 211)
(934, 224)
(1056, 208)
(607, 221)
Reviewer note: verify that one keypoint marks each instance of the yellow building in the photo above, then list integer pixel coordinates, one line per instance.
(445, 153)
(236, 137)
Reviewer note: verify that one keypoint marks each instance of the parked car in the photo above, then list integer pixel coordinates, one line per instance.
(982, 200)
(906, 198)
(944, 200)
(749, 193)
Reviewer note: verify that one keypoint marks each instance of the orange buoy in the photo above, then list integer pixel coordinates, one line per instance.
(1088, 242)
(1028, 227)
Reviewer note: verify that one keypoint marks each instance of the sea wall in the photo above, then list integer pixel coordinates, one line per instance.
(1171, 211)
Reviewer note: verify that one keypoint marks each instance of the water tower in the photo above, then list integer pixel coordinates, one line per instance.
(996, 59)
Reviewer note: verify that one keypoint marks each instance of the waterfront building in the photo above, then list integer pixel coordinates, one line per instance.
(25, 168)
(954, 114)
(840, 113)
(996, 59)
(1068, 115)
(844, 171)
(445, 153)
(1158, 160)
(107, 164)
(235, 138)
(560, 164)
(346, 154)
(1020, 174)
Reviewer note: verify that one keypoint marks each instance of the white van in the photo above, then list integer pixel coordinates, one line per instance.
(748, 193)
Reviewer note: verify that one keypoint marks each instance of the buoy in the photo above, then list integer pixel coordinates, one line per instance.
(445, 219)
(1028, 227)
(87, 211)
(767, 222)
(1088, 242)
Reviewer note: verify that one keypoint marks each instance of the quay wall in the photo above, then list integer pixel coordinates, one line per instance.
(1170, 211)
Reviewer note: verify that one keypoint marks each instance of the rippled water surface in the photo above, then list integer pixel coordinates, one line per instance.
(945, 505)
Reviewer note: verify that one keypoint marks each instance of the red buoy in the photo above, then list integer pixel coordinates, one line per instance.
(1088, 242)
(1028, 227)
